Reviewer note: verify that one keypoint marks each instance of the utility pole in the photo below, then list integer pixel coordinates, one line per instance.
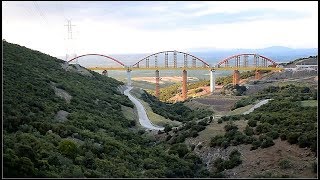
(69, 41)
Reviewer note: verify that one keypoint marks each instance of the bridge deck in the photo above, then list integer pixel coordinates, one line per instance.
(187, 68)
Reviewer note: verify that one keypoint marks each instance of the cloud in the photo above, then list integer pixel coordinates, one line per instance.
(138, 27)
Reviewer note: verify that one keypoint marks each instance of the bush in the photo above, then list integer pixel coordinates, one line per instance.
(293, 137)
(315, 167)
(219, 165)
(217, 140)
(283, 136)
(248, 131)
(263, 128)
(192, 147)
(252, 123)
(267, 142)
(249, 139)
(181, 149)
(225, 144)
(219, 121)
(230, 127)
(285, 164)
(255, 144)
(167, 128)
(273, 134)
(303, 141)
(234, 160)
(68, 147)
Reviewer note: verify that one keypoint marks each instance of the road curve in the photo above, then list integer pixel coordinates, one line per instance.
(257, 105)
(143, 118)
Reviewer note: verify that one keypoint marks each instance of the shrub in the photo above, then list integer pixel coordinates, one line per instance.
(285, 164)
(255, 144)
(230, 127)
(252, 123)
(192, 147)
(168, 137)
(283, 136)
(267, 142)
(293, 137)
(68, 147)
(249, 139)
(224, 144)
(167, 128)
(303, 141)
(217, 140)
(248, 131)
(315, 167)
(219, 121)
(263, 128)
(273, 134)
(219, 165)
(181, 149)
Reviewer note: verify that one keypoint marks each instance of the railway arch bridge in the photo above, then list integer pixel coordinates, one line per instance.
(182, 61)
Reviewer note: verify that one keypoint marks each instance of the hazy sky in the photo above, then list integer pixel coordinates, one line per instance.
(146, 27)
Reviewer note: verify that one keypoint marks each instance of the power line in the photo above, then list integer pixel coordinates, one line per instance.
(62, 8)
(37, 7)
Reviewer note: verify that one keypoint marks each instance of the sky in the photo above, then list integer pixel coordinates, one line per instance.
(124, 27)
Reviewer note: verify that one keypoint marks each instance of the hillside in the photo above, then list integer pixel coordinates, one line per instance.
(64, 121)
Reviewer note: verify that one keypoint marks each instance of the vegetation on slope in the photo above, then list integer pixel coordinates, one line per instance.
(283, 117)
(177, 111)
(168, 92)
(96, 139)
(243, 75)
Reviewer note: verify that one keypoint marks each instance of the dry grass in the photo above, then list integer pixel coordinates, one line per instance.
(309, 103)
(240, 110)
(129, 113)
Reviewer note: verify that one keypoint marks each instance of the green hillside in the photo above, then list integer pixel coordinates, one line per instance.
(93, 140)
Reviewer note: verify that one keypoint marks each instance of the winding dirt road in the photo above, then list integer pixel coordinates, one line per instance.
(143, 118)
(257, 105)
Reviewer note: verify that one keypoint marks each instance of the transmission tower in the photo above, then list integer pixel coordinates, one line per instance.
(70, 42)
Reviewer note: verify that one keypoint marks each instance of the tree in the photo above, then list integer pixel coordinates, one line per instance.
(248, 131)
(69, 148)
(181, 149)
(167, 128)
(252, 123)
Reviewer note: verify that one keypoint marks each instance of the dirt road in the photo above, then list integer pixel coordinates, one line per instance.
(143, 118)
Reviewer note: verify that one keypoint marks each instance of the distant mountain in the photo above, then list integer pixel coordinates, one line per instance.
(277, 53)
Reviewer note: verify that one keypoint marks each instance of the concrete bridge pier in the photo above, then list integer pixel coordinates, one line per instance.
(184, 84)
(258, 74)
(212, 81)
(105, 73)
(236, 77)
(157, 84)
(129, 77)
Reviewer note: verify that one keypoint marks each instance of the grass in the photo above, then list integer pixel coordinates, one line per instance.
(311, 103)
(129, 113)
(215, 129)
(194, 105)
(240, 110)
(212, 130)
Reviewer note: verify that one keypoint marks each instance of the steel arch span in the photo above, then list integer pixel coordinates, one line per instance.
(247, 60)
(170, 60)
(108, 57)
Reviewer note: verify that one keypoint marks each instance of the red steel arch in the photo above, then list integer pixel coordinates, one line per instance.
(172, 52)
(115, 60)
(227, 59)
